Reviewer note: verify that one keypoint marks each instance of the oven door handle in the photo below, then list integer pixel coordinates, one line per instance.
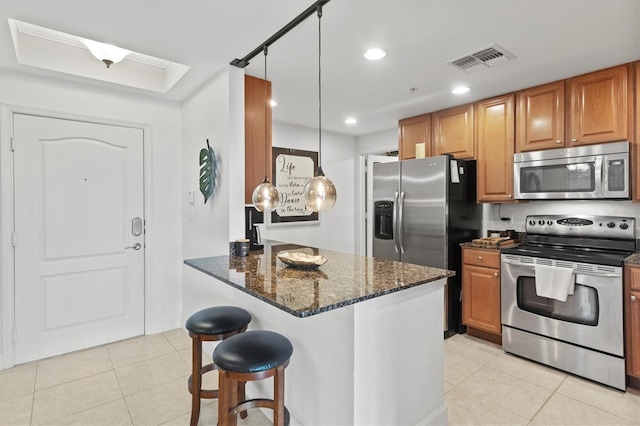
(531, 266)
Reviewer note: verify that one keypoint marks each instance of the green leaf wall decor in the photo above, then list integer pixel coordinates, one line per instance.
(208, 172)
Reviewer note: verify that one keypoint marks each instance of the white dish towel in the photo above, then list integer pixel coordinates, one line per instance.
(554, 282)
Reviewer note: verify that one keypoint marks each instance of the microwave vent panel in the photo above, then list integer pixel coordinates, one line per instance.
(482, 59)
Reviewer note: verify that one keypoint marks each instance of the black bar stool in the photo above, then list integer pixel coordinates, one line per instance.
(207, 325)
(251, 356)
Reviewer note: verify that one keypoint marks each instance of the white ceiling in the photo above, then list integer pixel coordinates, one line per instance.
(551, 40)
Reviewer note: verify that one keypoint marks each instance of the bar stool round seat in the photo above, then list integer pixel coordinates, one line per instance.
(207, 325)
(246, 357)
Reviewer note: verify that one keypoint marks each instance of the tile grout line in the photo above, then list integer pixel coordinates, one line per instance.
(33, 395)
(548, 399)
(124, 400)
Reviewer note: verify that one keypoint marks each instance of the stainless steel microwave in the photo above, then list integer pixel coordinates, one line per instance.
(584, 172)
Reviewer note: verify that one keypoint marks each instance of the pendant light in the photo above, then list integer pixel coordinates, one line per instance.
(319, 193)
(265, 196)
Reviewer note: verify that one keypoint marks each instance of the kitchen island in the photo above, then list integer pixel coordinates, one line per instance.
(367, 333)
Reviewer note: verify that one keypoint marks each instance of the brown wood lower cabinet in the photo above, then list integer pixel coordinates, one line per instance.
(481, 291)
(632, 319)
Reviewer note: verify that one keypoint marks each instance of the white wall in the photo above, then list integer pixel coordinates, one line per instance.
(336, 230)
(215, 112)
(377, 143)
(162, 122)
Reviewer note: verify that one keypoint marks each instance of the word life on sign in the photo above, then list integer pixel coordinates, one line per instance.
(292, 169)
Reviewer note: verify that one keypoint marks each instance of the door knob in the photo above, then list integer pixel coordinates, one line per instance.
(136, 246)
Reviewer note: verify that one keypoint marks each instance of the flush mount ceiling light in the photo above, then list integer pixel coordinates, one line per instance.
(350, 120)
(374, 54)
(319, 193)
(107, 53)
(460, 90)
(265, 196)
(52, 50)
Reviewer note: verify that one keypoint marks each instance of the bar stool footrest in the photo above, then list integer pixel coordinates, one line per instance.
(204, 393)
(259, 403)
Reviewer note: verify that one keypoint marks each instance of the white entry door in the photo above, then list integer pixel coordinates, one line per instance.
(79, 267)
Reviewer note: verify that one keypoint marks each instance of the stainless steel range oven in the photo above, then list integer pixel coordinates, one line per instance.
(562, 294)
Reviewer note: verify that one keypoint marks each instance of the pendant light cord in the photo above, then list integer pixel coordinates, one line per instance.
(319, 91)
(266, 112)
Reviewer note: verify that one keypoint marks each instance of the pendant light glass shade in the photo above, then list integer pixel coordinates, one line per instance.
(265, 196)
(319, 193)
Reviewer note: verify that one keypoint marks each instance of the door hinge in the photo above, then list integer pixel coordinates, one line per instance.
(13, 238)
(14, 334)
(13, 144)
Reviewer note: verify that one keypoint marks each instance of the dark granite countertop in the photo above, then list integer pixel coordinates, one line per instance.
(345, 279)
(634, 259)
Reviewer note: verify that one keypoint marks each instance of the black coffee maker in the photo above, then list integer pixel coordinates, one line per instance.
(251, 231)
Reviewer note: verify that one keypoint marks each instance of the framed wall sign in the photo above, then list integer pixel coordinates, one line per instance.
(292, 169)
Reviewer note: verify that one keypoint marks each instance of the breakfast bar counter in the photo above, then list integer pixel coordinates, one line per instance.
(367, 333)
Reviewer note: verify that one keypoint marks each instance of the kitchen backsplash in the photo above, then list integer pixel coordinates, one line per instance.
(493, 214)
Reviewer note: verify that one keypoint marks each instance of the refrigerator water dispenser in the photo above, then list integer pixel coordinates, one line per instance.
(383, 212)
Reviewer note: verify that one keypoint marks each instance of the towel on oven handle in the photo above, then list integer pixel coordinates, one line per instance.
(554, 282)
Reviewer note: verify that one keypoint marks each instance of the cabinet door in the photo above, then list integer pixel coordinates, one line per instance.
(540, 117)
(495, 131)
(632, 319)
(257, 134)
(453, 132)
(481, 298)
(412, 131)
(598, 107)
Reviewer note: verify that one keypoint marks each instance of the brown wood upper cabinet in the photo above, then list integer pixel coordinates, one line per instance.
(495, 121)
(540, 117)
(257, 133)
(412, 131)
(599, 107)
(453, 132)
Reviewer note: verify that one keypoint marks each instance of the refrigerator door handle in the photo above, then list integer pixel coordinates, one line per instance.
(394, 221)
(401, 222)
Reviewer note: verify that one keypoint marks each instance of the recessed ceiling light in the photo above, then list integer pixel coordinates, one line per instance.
(374, 54)
(273, 103)
(351, 120)
(460, 90)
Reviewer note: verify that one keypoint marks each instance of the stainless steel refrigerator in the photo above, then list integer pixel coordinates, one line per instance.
(423, 210)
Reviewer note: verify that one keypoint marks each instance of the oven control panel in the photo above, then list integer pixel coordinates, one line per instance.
(583, 226)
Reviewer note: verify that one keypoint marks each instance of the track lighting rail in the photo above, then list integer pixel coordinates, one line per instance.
(242, 63)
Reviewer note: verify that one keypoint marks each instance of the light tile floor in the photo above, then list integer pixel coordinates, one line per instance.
(142, 381)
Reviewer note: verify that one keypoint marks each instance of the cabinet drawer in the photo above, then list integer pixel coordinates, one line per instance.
(480, 257)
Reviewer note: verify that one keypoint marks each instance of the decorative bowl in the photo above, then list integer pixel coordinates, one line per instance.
(301, 260)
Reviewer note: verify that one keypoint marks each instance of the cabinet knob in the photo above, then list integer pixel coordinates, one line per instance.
(495, 274)
(479, 257)
(559, 141)
(510, 196)
(574, 139)
(633, 298)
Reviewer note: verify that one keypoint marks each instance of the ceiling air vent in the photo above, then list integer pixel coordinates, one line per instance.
(482, 59)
